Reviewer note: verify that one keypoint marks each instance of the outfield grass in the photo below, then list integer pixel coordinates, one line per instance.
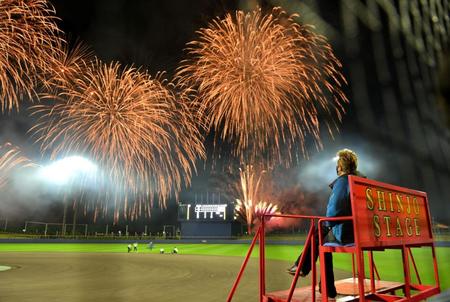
(389, 263)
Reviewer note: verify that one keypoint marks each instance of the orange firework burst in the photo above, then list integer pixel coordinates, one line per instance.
(250, 179)
(262, 82)
(11, 160)
(130, 124)
(243, 211)
(28, 40)
(251, 214)
(67, 65)
(264, 208)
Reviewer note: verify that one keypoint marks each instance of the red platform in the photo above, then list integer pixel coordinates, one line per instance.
(347, 291)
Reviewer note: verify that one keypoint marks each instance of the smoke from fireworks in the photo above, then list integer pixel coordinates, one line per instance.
(29, 38)
(286, 192)
(11, 160)
(130, 124)
(262, 82)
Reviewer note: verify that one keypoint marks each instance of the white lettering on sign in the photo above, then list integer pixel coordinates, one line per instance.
(209, 210)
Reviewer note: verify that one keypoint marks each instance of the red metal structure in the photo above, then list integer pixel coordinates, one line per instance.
(384, 217)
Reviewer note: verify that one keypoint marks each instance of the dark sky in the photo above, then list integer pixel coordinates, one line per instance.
(145, 33)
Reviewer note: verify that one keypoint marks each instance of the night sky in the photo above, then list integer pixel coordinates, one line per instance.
(153, 34)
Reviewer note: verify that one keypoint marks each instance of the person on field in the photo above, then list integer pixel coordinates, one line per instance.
(135, 247)
(129, 247)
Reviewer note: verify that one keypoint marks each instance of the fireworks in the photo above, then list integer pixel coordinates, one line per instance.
(28, 42)
(67, 64)
(243, 211)
(130, 124)
(262, 81)
(264, 208)
(251, 214)
(250, 180)
(11, 160)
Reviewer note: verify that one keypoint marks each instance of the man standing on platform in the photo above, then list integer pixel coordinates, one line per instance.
(338, 205)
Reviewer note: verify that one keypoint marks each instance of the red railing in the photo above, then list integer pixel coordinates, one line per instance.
(260, 236)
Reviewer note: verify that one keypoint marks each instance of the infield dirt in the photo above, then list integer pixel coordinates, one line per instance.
(114, 277)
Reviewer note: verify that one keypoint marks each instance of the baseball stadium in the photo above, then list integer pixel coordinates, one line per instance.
(244, 150)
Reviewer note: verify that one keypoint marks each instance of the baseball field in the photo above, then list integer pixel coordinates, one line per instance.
(199, 272)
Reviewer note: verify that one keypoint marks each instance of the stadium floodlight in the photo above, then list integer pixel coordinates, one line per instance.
(63, 170)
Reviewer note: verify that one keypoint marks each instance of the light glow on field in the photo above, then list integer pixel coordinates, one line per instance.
(63, 170)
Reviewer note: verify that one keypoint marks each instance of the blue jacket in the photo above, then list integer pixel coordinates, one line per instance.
(339, 205)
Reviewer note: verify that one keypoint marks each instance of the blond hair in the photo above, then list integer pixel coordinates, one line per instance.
(347, 160)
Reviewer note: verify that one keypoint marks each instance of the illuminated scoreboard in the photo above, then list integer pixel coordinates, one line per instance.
(204, 212)
(207, 220)
(211, 211)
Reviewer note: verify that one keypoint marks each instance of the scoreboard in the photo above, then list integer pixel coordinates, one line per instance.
(205, 212)
(207, 220)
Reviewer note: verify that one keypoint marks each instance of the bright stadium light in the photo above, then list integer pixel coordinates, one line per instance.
(63, 170)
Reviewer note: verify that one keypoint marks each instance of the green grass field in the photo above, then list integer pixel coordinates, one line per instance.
(389, 263)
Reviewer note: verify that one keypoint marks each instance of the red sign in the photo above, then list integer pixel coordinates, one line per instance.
(387, 215)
